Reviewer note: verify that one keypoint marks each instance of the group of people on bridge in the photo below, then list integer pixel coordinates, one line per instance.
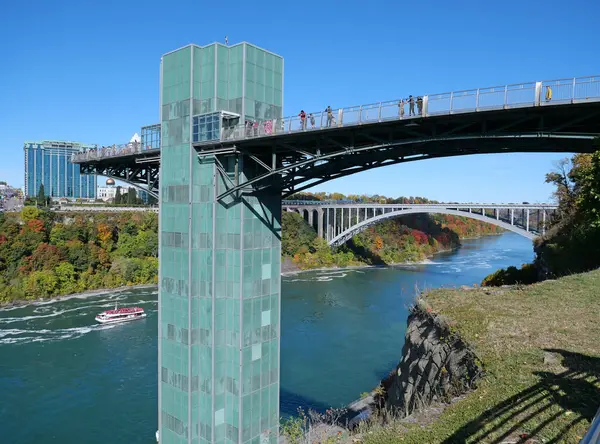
(311, 118)
(111, 150)
(411, 106)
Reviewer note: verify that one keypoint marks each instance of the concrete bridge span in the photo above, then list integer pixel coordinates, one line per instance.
(339, 222)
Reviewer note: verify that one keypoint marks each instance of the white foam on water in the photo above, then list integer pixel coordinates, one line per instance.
(29, 318)
(17, 331)
(13, 336)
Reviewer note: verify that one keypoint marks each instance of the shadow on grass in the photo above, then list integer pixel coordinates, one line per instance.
(526, 415)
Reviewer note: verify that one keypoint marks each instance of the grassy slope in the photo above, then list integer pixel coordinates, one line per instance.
(512, 332)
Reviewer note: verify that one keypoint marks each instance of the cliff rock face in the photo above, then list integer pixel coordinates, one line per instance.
(436, 365)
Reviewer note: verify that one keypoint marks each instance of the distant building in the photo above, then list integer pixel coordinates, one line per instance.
(108, 192)
(48, 162)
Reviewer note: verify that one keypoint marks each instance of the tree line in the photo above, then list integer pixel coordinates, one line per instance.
(43, 254)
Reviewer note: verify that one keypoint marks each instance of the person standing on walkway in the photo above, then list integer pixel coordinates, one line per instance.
(420, 105)
(401, 108)
(548, 93)
(411, 106)
(302, 119)
(312, 121)
(329, 116)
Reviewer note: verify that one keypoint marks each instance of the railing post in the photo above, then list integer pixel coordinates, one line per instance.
(512, 216)
(538, 94)
(505, 96)
(360, 115)
(477, 100)
(340, 116)
(451, 100)
(528, 219)
(573, 91)
(379, 115)
(425, 106)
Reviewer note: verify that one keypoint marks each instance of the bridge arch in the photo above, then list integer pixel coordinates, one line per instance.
(344, 236)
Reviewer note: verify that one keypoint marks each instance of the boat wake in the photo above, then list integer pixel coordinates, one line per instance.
(20, 336)
(68, 318)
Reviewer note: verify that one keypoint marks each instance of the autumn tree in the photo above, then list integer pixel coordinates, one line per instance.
(561, 179)
(29, 213)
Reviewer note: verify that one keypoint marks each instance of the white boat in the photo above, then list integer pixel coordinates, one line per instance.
(120, 315)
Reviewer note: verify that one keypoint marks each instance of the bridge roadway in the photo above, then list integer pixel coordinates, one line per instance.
(293, 157)
(338, 222)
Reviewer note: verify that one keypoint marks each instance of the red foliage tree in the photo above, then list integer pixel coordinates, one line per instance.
(443, 239)
(36, 225)
(420, 237)
(45, 257)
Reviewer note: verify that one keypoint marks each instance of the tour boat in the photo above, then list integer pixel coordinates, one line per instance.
(120, 315)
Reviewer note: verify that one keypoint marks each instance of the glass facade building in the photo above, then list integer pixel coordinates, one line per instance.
(48, 162)
(219, 295)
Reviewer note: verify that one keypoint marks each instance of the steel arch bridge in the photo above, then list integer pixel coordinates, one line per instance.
(338, 222)
(292, 156)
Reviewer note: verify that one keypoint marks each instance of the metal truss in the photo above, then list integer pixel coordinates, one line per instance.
(142, 176)
(298, 161)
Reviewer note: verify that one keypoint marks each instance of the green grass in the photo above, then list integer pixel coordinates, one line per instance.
(524, 395)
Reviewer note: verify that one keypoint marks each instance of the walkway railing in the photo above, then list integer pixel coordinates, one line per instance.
(125, 149)
(549, 92)
(347, 203)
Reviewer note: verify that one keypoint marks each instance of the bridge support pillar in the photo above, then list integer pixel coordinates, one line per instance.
(543, 221)
(219, 303)
(334, 221)
(219, 284)
(320, 222)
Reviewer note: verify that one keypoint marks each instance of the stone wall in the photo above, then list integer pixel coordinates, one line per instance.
(436, 364)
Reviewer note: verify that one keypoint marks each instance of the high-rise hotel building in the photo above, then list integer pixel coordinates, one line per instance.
(48, 162)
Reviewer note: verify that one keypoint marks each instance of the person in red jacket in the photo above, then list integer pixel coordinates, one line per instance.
(302, 119)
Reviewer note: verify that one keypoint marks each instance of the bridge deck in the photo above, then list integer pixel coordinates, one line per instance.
(574, 91)
(294, 156)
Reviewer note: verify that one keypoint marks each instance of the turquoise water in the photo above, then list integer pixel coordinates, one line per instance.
(66, 379)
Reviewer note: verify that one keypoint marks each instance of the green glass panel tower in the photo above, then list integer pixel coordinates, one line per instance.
(219, 296)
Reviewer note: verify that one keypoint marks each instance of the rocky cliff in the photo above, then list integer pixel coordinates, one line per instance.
(436, 364)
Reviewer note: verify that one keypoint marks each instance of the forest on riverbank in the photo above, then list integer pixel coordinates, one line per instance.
(409, 238)
(45, 254)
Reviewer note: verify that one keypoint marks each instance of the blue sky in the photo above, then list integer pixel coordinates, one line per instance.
(89, 72)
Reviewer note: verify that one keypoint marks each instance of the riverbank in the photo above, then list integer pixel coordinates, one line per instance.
(25, 302)
(289, 268)
(539, 346)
